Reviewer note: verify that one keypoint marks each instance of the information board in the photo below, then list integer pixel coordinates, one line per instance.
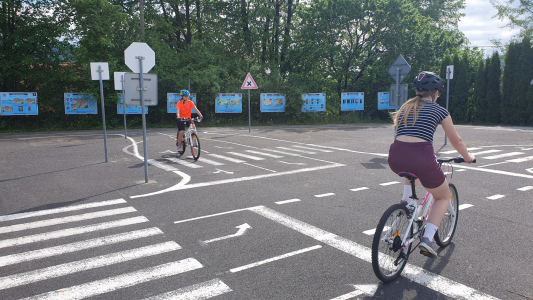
(173, 98)
(12, 104)
(314, 102)
(130, 109)
(352, 101)
(272, 103)
(383, 101)
(228, 103)
(76, 104)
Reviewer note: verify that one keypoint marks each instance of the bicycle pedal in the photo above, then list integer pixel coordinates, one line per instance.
(425, 253)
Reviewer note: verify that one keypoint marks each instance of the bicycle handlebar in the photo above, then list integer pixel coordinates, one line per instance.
(192, 119)
(455, 160)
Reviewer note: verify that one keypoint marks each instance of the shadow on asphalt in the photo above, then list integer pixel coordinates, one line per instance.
(29, 176)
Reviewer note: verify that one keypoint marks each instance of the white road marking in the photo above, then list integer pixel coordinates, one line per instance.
(242, 229)
(69, 232)
(223, 147)
(464, 206)
(526, 188)
(296, 150)
(325, 195)
(287, 201)
(372, 231)
(389, 183)
(455, 151)
(494, 171)
(161, 165)
(246, 156)
(486, 151)
(519, 160)
(227, 158)
(265, 154)
(259, 167)
(282, 152)
(184, 163)
(359, 189)
(60, 210)
(208, 161)
(262, 262)
(495, 197)
(462, 170)
(348, 150)
(419, 275)
(64, 220)
(121, 281)
(85, 264)
(498, 163)
(503, 155)
(222, 171)
(369, 290)
(288, 163)
(312, 149)
(213, 215)
(77, 246)
(200, 291)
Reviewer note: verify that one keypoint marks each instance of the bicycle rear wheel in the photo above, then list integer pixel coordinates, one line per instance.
(195, 146)
(387, 260)
(447, 227)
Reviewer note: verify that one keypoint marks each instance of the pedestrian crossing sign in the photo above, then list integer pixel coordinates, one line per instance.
(249, 83)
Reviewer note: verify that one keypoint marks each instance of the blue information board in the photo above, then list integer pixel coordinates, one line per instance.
(13, 104)
(383, 101)
(352, 101)
(314, 102)
(130, 109)
(76, 104)
(173, 98)
(228, 103)
(272, 103)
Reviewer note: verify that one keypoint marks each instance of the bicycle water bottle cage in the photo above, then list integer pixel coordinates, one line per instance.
(410, 176)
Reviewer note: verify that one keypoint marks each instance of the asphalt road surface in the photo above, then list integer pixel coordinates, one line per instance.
(283, 212)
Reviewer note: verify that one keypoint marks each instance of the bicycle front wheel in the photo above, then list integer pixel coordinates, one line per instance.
(447, 227)
(195, 146)
(388, 258)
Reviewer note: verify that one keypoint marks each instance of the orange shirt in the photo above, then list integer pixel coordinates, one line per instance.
(185, 109)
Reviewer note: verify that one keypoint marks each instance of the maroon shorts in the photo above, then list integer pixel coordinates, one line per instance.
(419, 159)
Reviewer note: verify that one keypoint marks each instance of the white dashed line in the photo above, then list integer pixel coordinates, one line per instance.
(503, 155)
(389, 183)
(287, 201)
(463, 206)
(359, 189)
(372, 231)
(325, 195)
(495, 197)
(526, 188)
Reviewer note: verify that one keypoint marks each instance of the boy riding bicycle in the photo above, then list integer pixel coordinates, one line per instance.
(183, 111)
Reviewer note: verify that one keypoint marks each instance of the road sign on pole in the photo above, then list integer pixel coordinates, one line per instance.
(249, 84)
(449, 72)
(100, 71)
(399, 65)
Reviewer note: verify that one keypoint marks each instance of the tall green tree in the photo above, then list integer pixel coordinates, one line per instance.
(517, 14)
(509, 92)
(493, 89)
(522, 78)
(480, 93)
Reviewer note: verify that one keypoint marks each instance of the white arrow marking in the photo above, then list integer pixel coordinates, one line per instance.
(288, 163)
(241, 231)
(218, 171)
(530, 170)
(368, 289)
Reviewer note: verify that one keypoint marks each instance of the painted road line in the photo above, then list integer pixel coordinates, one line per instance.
(296, 150)
(464, 206)
(498, 163)
(417, 274)
(77, 246)
(389, 183)
(312, 149)
(325, 195)
(85, 264)
(503, 155)
(184, 162)
(372, 231)
(265, 154)
(227, 158)
(494, 171)
(259, 167)
(519, 160)
(526, 188)
(363, 289)
(60, 210)
(214, 215)
(495, 197)
(455, 151)
(462, 170)
(287, 201)
(359, 189)
(64, 220)
(282, 152)
(486, 152)
(111, 284)
(200, 291)
(69, 232)
(348, 150)
(208, 161)
(262, 262)
(161, 165)
(246, 156)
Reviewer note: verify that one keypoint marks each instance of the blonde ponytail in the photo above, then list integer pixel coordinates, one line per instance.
(410, 106)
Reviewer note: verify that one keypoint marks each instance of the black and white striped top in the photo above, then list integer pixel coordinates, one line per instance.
(426, 123)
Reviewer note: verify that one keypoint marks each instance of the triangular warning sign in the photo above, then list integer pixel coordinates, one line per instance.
(249, 83)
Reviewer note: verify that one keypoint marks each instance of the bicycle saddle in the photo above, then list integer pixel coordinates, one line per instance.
(408, 175)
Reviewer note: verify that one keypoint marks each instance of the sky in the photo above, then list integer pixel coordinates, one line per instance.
(480, 27)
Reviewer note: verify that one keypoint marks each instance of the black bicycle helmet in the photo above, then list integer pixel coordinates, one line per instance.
(427, 81)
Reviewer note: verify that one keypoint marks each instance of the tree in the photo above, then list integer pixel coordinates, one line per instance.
(480, 93)
(519, 16)
(509, 95)
(523, 76)
(493, 89)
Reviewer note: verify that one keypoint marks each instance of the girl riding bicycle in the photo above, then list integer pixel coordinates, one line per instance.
(183, 111)
(412, 151)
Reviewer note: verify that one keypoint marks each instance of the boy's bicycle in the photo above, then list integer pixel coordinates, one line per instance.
(190, 138)
(401, 225)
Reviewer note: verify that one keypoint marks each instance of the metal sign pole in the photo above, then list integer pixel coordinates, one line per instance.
(396, 104)
(103, 108)
(124, 107)
(447, 96)
(141, 89)
(249, 116)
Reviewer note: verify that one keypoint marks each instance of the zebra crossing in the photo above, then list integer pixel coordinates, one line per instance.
(509, 155)
(24, 258)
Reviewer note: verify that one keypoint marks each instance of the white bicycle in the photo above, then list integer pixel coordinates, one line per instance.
(190, 138)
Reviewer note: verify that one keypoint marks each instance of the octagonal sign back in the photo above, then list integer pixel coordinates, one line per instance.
(136, 50)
